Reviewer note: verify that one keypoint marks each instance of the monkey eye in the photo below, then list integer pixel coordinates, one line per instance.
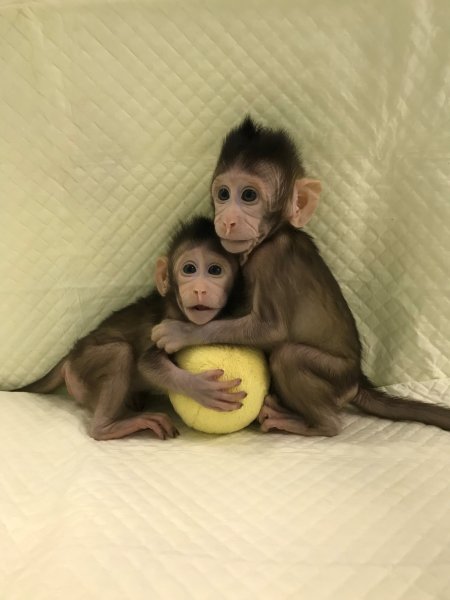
(215, 270)
(189, 268)
(249, 195)
(223, 193)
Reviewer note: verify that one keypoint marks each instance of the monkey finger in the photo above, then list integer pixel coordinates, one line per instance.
(160, 342)
(167, 346)
(212, 374)
(223, 405)
(226, 395)
(156, 333)
(229, 383)
(230, 396)
(227, 402)
(172, 347)
(159, 332)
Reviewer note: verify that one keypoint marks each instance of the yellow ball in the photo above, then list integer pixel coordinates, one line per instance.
(237, 362)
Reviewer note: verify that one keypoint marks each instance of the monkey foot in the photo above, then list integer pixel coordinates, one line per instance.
(272, 408)
(159, 423)
(274, 416)
(291, 424)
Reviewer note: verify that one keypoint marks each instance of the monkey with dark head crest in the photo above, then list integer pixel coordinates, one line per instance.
(297, 312)
(107, 368)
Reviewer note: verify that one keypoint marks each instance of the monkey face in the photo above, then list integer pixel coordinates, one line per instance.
(204, 280)
(240, 200)
(258, 184)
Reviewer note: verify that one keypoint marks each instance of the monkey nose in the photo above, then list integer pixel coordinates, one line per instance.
(229, 226)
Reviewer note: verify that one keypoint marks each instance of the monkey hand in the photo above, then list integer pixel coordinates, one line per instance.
(208, 391)
(171, 335)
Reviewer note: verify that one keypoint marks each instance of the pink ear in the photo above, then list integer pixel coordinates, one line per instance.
(304, 201)
(162, 275)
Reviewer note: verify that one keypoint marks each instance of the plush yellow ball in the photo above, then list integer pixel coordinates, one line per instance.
(237, 362)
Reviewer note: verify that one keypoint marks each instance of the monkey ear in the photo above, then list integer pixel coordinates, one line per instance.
(162, 275)
(304, 201)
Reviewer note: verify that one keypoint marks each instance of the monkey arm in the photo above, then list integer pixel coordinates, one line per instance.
(250, 330)
(157, 370)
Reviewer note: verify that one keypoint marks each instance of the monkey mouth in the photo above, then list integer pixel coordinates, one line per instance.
(230, 238)
(201, 314)
(235, 246)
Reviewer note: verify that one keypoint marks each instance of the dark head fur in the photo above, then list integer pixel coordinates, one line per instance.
(254, 148)
(197, 231)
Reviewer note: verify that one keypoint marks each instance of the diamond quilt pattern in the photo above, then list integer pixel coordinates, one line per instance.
(111, 116)
(243, 516)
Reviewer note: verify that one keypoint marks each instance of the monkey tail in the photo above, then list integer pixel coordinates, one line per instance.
(380, 404)
(49, 382)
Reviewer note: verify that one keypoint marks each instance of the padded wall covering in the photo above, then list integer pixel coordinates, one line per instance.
(111, 117)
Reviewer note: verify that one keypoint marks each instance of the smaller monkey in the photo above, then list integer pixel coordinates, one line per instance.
(110, 366)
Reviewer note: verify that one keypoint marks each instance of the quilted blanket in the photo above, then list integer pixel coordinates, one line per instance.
(111, 117)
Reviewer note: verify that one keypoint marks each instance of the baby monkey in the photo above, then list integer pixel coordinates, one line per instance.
(108, 367)
(297, 312)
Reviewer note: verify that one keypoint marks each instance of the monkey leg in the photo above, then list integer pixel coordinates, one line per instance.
(74, 384)
(304, 402)
(112, 364)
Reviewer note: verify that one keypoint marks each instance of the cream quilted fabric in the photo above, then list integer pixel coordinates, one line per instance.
(111, 116)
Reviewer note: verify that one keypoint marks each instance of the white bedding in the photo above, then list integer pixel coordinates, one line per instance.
(111, 115)
(244, 516)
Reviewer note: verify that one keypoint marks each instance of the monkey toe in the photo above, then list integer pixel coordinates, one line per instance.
(272, 409)
(285, 425)
(296, 425)
(272, 401)
(160, 424)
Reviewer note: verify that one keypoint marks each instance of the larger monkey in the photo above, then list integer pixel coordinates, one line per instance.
(108, 366)
(297, 312)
